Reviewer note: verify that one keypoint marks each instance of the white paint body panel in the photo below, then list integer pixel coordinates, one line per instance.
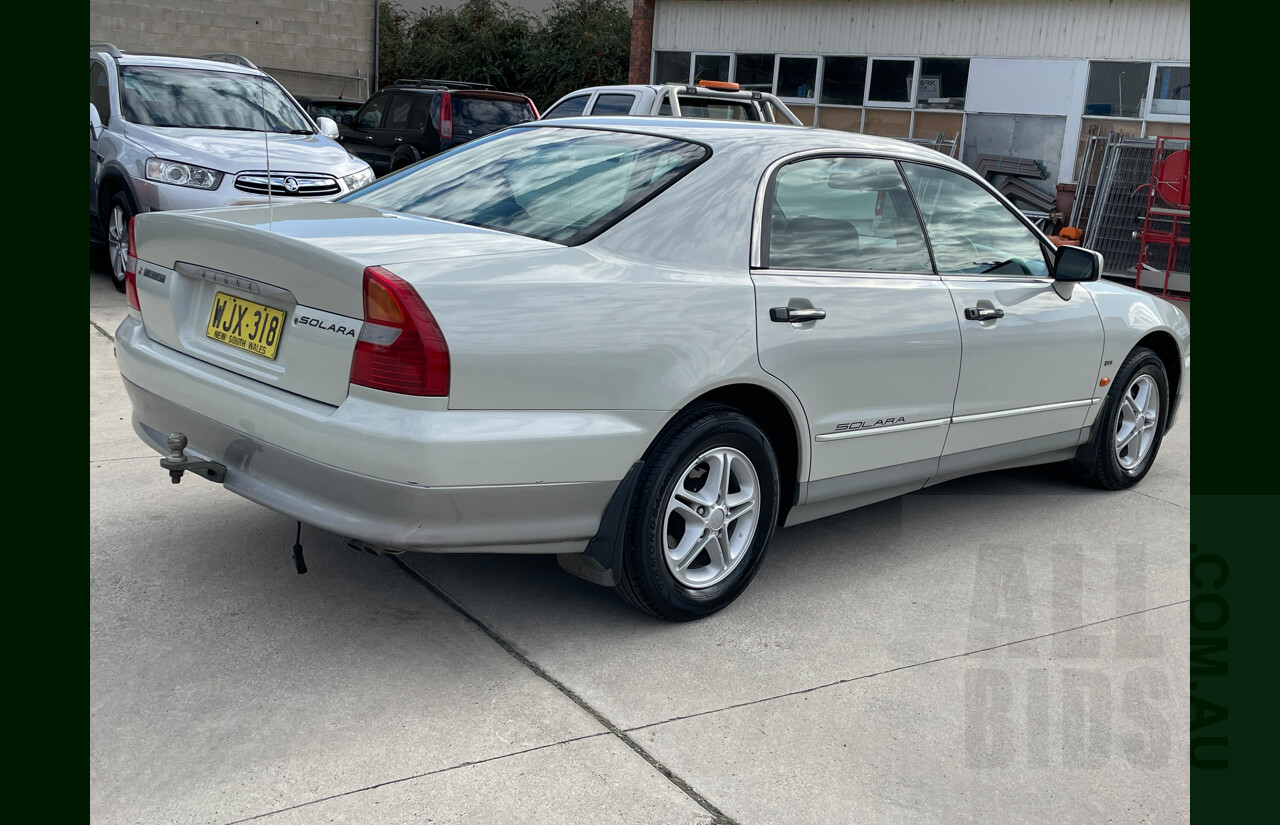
(1023, 369)
(889, 348)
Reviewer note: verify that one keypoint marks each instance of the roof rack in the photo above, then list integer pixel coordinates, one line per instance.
(442, 84)
(227, 57)
(109, 48)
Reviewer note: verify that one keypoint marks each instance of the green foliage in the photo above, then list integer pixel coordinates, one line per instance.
(579, 43)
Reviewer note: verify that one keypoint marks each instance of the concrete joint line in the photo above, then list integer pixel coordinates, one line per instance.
(102, 331)
(718, 816)
(415, 776)
(839, 682)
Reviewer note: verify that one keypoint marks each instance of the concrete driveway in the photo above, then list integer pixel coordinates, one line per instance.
(1007, 648)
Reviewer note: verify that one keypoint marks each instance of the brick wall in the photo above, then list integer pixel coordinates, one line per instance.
(311, 45)
(641, 40)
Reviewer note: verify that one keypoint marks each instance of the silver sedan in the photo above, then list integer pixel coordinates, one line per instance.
(640, 345)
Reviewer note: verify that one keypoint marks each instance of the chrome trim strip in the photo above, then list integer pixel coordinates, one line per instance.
(964, 419)
(892, 428)
(221, 278)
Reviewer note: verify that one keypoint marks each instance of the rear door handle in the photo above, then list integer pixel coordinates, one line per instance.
(983, 314)
(796, 315)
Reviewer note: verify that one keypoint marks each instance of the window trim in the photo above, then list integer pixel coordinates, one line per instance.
(1162, 117)
(817, 78)
(1046, 246)
(871, 103)
(761, 228)
(693, 62)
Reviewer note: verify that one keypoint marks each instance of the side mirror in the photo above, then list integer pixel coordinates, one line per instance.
(346, 119)
(327, 127)
(1074, 264)
(95, 122)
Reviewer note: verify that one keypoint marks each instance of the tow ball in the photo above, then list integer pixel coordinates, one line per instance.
(178, 462)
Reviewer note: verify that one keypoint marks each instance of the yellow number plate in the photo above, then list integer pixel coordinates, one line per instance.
(246, 325)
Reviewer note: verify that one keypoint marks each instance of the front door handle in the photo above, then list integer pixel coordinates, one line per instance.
(983, 314)
(796, 315)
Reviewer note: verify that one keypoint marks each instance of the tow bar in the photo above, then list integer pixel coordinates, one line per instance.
(177, 462)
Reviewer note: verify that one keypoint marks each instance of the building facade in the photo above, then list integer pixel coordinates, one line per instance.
(313, 47)
(1027, 78)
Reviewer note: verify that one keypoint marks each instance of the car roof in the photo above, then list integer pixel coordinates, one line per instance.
(654, 88)
(174, 62)
(780, 138)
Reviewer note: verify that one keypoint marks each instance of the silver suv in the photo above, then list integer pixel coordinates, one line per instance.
(184, 133)
(709, 99)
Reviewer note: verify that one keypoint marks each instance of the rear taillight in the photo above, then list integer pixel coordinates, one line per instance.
(534, 107)
(401, 348)
(446, 116)
(131, 270)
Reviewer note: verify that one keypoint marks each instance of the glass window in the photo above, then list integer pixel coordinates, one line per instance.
(716, 109)
(754, 72)
(972, 232)
(613, 104)
(1116, 89)
(203, 99)
(943, 83)
(572, 107)
(398, 111)
(420, 113)
(561, 185)
(843, 80)
(797, 76)
(671, 67)
(845, 214)
(99, 93)
(710, 67)
(891, 80)
(476, 115)
(1172, 93)
(370, 116)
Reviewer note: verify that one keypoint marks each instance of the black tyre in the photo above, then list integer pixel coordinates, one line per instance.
(1130, 426)
(705, 509)
(119, 212)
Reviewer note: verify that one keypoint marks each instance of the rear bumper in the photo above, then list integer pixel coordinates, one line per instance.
(516, 518)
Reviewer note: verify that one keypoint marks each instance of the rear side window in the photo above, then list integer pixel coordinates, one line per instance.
(398, 111)
(845, 213)
(572, 107)
(475, 116)
(99, 92)
(613, 105)
(562, 185)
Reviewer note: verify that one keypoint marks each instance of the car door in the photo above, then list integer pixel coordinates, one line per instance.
(1032, 349)
(395, 131)
(359, 141)
(851, 316)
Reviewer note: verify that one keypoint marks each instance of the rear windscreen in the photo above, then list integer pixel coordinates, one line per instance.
(556, 184)
(475, 116)
(717, 109)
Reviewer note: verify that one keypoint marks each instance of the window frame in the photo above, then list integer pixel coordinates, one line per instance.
(1047, 248)
(817, 77)
(868, 102)
(1162, 117)
(105, 117)
(761, 227)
